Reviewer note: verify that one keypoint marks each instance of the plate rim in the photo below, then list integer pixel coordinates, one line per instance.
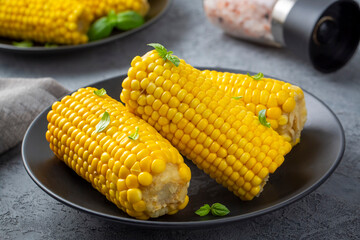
(69, 48)
(189, 224)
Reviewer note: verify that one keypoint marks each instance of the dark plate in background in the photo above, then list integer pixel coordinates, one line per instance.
(306, 167)
(157, 9)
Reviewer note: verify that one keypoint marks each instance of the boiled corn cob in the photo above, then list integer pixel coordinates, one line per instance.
(284, 103)
(45, 21)
(145, 177)
(206, 125)
(101, 8)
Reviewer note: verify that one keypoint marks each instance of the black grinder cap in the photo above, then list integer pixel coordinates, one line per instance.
(327, 32)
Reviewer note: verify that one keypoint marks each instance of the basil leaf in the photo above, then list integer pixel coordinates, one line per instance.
(100, 29)
(257, 76)
(129, 20)
(23, 44)
(160, 49)
(173, 59)
(50, 45)
(165, 54)
(217, 209)
(100, 92)
(203, 211)
(135, 135)
(104, 122)
(262, 118)
(112, 18)
(237, 98)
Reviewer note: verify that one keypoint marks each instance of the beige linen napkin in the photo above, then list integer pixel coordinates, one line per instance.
(21, 100)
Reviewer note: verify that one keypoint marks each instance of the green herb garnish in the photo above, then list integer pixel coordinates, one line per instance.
(203, 211)
(102, 27)
(262, 118)
(165, 54)
(50, 45)
(100, 92)
(104, 122)
(217, 209)
(23, 44)
(112, 18)
(134, 136)
(257, 76)
(237, 98)
(128, 20)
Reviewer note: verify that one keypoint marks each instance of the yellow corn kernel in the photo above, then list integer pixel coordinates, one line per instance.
(283, 120)
(131, 181)
(282, 96)
(273, 112)
(158, 166)
(134, 195)
(289, 105)
(139, 206)
(183, 205)
(185, 173)
(145, 178)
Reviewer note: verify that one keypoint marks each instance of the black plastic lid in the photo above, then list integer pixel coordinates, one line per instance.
(327, 32)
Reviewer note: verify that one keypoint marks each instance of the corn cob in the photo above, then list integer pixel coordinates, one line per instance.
(45, 21)
(145, 177)
(101, 8)
(284, 103)
(210, 128)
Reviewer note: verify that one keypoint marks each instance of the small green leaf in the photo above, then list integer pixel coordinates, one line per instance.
(237, 98)
(262, 118)
(203, 211)
(160, 49)
(23, 44)
(134, 136)
(165, 54)
(257, 76)
(129, 20)
(50, 45)
(104, 122)
(100, 29)
(100, 92)
(217, 209)
(112, 18)
(173, 59)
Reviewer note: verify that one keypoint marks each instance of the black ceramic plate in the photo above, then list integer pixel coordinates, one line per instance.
(157, 9)
(307, 166)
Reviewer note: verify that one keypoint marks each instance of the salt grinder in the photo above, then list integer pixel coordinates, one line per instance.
(324, 32)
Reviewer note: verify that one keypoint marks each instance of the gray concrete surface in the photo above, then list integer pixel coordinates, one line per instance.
(330, 212)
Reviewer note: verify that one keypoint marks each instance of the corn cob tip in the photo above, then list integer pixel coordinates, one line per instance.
(284, 103)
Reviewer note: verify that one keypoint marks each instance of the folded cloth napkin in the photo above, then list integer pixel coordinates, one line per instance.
(21, 100)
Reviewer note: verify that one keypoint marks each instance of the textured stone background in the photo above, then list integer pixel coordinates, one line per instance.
(330, 212)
